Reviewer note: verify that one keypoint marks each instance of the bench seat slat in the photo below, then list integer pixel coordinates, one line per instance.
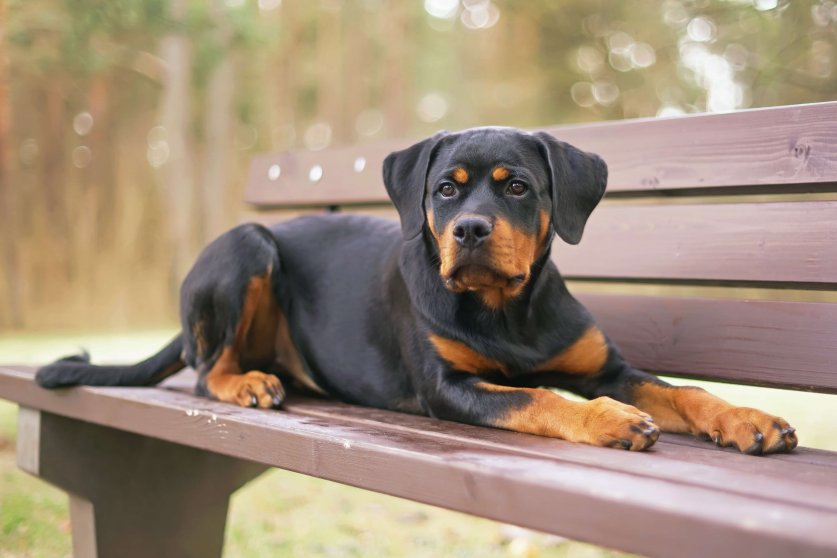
(675, 452)
(610, 504)
(782, 242)
(763, 342)
(765, 147)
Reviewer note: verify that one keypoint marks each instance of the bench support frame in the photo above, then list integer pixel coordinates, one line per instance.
(131, 495)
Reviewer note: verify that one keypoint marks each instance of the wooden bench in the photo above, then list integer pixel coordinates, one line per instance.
(713, 256)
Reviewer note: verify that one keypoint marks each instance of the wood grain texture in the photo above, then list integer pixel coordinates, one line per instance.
(777, 242)
(777, 145)
(136, 496)
(761, 342)
(759, 147)
(676, 500)
(787, 242)
(339, 184)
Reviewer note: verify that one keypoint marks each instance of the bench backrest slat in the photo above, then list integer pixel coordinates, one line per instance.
(767, 148)
(761, 342)
(736, 212)
(784, 242)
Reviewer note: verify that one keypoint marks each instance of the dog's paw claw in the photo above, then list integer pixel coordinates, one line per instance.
(753, 432)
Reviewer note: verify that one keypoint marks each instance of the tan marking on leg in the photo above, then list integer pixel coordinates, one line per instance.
(500, 173)
(199, 336)
(462, 357)
(460, 175)
(587, 355)
(289, 357)
(693, 409)
(600, 422)
(254, 340)
(253, 389)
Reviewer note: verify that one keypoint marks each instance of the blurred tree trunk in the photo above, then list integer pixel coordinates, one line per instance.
(103, 167)
(330, 55)
(219, 131)
(55, 182)
(285, 84)
(178, 176)
(397, 101)
(356, 70)
(10, 302)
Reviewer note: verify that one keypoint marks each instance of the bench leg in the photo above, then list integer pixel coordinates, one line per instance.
(131, 495)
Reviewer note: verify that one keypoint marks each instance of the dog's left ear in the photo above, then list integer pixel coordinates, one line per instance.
(405, 177)
(578, 184)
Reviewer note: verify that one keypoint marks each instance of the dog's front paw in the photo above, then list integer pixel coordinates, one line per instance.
(257, 389)
(752, 431)
(606, 422)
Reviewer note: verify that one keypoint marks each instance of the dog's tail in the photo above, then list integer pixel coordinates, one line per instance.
(77, 370)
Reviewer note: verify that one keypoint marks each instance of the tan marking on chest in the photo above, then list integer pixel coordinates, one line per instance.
(587, 355)
(462, 357)
(460, 175)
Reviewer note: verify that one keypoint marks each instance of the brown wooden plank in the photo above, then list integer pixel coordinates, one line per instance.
(339, 183)
(776, 145)
(735, 242)
(128, 494)
(611, 508)
(761, 342)
(780, 242)
(771, 146)
(822, 460)
(695, 464)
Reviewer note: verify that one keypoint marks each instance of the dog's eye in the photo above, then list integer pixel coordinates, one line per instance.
(447, 190)
(517, 188)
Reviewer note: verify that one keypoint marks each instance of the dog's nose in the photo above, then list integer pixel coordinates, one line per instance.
(471, 231)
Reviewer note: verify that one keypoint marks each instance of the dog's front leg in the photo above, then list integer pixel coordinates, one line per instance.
(694, 410)
(467, 398)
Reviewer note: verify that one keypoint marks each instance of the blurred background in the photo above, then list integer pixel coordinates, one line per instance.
(126, 128)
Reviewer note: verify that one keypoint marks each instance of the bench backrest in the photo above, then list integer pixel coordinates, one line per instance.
(713, 254)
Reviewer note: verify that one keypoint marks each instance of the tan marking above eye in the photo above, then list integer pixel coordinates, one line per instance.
(460, 175)
(587, 355)
(500, 173)
(462, 357)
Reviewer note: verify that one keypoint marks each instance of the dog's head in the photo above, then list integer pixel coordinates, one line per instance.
(489, 198)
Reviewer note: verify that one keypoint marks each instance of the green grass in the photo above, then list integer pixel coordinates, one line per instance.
(285, 514)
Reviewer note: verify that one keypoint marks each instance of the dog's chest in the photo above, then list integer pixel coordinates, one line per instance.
(585, 355)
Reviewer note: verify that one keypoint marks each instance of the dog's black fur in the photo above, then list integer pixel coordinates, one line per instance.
(438, 317)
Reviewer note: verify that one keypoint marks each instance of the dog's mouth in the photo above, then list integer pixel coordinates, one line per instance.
(476, 277)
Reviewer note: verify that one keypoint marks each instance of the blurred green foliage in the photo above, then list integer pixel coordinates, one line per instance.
(121, 120)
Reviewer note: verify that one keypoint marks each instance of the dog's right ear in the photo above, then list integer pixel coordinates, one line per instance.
(405, 177)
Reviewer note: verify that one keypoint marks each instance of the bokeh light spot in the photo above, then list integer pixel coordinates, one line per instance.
(432, 107)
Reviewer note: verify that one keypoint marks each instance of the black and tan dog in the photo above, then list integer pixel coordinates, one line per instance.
(461, 316)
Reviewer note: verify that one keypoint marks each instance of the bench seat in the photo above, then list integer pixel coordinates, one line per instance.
(685, 497)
